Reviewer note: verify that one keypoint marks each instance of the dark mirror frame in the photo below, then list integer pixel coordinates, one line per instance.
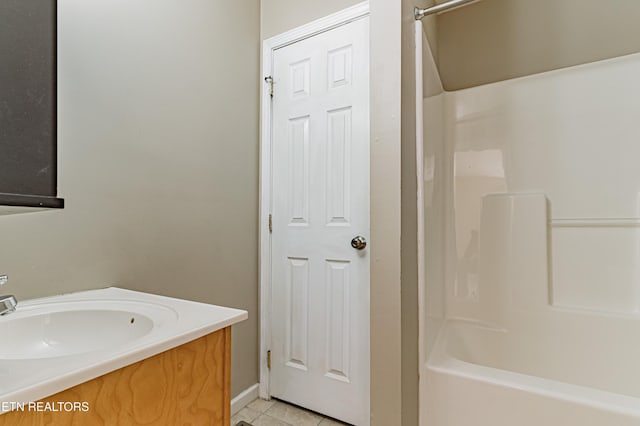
(28, 103)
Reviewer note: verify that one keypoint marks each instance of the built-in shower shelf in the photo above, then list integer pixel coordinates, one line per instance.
(591, 223)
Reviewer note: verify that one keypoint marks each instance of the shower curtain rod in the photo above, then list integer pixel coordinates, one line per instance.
(443, 7)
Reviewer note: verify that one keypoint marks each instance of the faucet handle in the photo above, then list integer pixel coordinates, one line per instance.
(8, 304)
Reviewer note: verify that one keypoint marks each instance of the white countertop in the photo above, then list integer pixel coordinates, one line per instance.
(174, 322)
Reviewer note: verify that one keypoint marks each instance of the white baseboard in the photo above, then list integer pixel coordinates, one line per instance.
(244, 398)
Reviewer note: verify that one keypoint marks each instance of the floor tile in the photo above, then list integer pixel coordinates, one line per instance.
(261, 405)
(266, 420)
(293, 415)
(246, 414)
(277, 413)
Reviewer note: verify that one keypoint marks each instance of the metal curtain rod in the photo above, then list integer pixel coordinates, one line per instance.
(443, 7)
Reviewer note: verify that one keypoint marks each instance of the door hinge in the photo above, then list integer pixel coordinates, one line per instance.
(269, 360)
(269, 81)
(270, 223)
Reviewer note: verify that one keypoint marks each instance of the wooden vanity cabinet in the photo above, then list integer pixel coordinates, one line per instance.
(187, 385)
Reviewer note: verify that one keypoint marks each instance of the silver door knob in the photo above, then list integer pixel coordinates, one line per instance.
(359, 243)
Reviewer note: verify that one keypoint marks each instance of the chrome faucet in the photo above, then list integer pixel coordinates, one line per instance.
(7, 304)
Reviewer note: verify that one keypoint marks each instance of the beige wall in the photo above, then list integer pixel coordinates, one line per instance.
(409, 221)
(158, 160)
(279, 16)
(386, 330)
(495, 40)
(430, 26)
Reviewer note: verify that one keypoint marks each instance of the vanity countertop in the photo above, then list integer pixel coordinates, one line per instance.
(57, 342)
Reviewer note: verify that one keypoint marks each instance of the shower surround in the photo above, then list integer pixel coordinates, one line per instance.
(530, 292)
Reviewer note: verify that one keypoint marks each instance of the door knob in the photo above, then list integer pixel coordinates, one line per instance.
(359, 243)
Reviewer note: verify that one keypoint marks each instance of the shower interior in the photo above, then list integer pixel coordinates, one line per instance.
(529, 241)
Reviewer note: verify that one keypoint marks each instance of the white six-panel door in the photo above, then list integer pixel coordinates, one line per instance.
(320, 190)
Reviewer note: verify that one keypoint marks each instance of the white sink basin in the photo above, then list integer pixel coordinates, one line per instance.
(54, 343)
(62, 329)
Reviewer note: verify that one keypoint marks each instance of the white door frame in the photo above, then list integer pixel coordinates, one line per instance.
(321, 25)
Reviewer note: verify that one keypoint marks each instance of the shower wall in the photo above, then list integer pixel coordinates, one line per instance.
(546, 184)
(531, 231)
(531, 194)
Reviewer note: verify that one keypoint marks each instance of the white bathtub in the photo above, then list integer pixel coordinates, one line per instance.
(552, 368)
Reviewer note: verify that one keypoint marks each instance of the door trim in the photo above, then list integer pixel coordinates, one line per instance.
(269, 45)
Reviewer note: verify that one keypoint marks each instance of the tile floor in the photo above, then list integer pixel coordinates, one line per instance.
(277, 413)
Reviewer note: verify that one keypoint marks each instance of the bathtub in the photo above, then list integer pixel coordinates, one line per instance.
(548, 368)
